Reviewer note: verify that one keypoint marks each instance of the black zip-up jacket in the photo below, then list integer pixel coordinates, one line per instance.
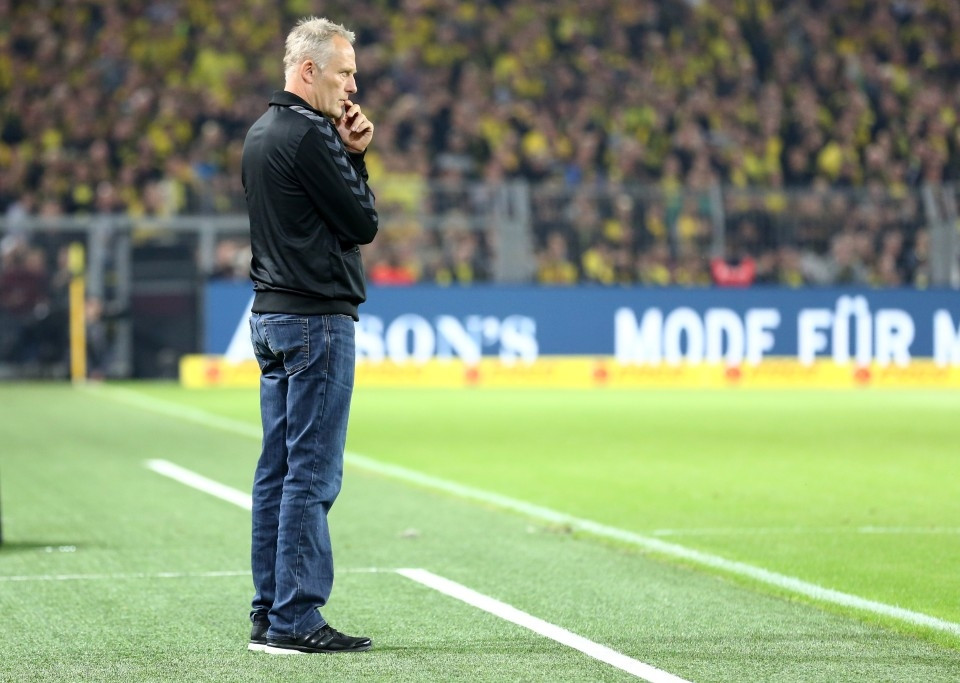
(310, 208)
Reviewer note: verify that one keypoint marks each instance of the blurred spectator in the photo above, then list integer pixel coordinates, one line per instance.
(232, 259)
(917, 260)
(463, 258)
(31, 315)
(554, 266)
(845, 266)
(150, 100)
(24, 280)
(391, 264)
(654, 268)
(789, 267)
(735, 272)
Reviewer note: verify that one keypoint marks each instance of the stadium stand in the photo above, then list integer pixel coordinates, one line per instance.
(819, 120)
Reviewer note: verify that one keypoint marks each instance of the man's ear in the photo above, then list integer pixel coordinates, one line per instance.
(308, 71)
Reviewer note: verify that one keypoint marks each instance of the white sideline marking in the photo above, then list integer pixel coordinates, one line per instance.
(118, 576)
(812, 530)
(165, 575)
(544, 628)
(908, 530)
(446, 586)
(782, 581)
(201, 483)
(156, 405)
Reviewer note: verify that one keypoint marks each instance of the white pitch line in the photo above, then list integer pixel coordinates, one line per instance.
(766, 576)
(781, 581)
(122, 576)
(439, 583)
(156, 405)
(164, 575)
(809, 530)
(201, 483)
(544, 628)
(907, 530)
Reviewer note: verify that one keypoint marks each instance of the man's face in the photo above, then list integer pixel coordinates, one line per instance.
(332, 86)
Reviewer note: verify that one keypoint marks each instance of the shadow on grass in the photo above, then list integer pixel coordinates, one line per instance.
(18, 547)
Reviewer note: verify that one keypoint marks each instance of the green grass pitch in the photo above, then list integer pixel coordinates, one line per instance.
(112, 572)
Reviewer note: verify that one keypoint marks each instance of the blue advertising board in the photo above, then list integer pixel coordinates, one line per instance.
(634, 325)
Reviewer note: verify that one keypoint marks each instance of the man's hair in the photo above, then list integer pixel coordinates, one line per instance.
(312, 38)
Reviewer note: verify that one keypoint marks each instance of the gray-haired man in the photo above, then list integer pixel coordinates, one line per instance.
(310, 207)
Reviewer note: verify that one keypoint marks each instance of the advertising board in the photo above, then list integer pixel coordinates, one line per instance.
(619, 336)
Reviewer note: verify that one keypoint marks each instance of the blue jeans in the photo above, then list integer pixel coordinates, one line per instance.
(306, 382)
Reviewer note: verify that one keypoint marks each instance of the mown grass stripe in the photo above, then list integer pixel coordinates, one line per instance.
(780, 581)
(539, 626)
(766, 576)
(446, 586)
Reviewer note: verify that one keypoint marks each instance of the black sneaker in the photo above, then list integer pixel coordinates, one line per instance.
(324, 639)
(258, 632)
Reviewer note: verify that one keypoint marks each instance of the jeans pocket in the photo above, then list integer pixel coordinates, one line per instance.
(260, 350)
(288, 339)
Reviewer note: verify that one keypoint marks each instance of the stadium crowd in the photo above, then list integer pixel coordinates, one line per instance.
(820, 119)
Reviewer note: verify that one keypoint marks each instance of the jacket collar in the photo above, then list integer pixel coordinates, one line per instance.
(285, 98)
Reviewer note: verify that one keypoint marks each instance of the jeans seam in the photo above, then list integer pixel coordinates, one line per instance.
(306, 343)
(316, 460)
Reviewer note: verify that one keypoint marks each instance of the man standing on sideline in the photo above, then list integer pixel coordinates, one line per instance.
(310, 207)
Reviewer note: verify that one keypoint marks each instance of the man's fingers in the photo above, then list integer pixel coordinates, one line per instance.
(361, 122)
(354, 126)
(354, 119)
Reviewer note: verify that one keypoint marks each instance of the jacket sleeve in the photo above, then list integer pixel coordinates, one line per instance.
(339, 191)
(357, 159)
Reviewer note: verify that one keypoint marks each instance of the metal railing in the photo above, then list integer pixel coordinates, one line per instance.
(145, 275)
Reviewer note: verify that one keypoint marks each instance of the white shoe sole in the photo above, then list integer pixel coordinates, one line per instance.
(270, 649)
